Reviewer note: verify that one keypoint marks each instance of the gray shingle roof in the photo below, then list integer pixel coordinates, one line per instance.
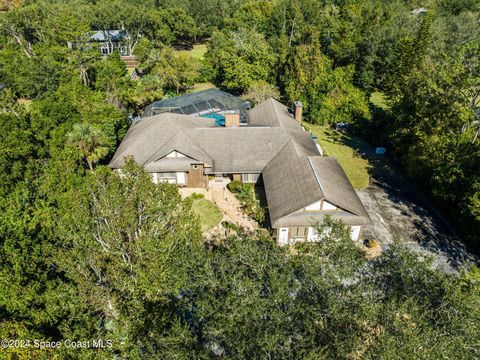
(170, 163)
(335, 185)
(293, 182)
(289, 183)
(148, 136)
(273, 143)
(182, 143)
(242, 149)
(272, 113)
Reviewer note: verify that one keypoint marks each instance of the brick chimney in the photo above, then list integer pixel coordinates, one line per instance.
(232, 119)
(297, 111)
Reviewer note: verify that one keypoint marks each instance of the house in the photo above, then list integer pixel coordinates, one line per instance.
(301, 186)
(110, 41)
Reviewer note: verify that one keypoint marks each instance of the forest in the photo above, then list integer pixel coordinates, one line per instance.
(86, 254)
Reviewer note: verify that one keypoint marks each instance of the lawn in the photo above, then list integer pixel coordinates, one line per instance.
(209, 214)
(197, 52)
(343, 147)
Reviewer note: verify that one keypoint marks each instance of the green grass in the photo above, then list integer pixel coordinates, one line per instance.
(342, 147)
(378, 99)
(209, 214)
(197, 52)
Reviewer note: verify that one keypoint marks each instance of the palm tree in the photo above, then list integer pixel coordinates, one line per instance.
(90, 141)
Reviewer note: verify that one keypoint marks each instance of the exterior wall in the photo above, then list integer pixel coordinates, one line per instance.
(328, 206)
(237, 177)
(196, 177)
(232, 119)
(174, 154)
(286, 236)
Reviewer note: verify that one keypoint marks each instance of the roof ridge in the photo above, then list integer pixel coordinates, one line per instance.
(198, 145)
(316, 175)
(272, 102)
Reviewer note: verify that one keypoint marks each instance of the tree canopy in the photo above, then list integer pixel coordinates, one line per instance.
(87, 253)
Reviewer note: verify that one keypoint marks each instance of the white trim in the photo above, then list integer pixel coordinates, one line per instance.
(328, 205)
(313, 207)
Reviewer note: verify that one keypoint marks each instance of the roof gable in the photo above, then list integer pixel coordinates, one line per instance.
(183, 144)
(289, 183)
(148, 136)
(335, 185)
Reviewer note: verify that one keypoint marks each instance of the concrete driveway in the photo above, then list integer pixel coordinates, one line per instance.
(401, 212)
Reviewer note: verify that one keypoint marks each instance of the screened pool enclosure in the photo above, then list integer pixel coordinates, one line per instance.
(212, 103)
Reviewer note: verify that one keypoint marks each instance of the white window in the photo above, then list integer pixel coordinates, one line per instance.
(170, 178)
(250, 178)
(297, 234)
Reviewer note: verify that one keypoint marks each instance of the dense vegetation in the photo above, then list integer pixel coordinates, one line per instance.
(87, 254)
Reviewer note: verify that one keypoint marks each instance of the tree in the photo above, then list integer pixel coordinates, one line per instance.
(176, 72)
(128, 247)
(171, 26)
(260, 91)
(89, 141)
(328, 94)
(240, 58)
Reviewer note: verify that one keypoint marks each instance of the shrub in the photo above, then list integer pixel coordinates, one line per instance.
(250, 203)
(197, 196)
(235, 186)
(371, 243)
